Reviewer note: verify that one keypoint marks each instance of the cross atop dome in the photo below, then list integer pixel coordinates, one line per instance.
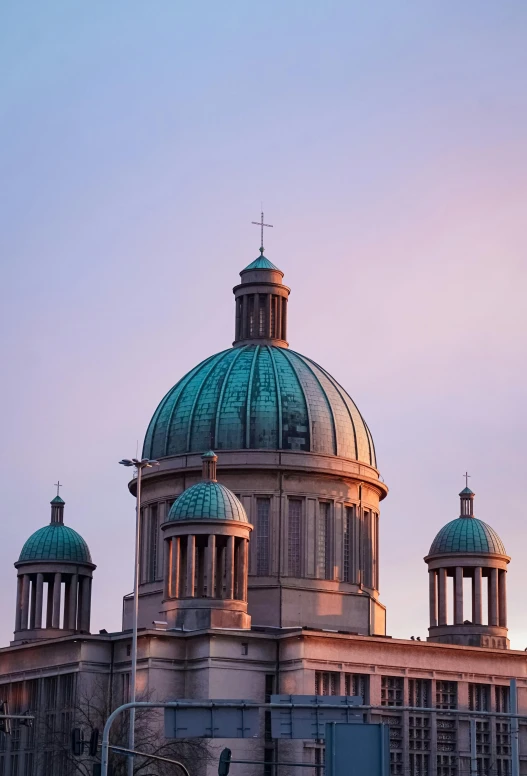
(261, 224)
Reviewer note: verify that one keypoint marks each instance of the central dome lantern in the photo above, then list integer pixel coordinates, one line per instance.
(259, 395)
(296, 462)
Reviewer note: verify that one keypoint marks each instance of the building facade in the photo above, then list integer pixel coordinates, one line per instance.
(259, 574)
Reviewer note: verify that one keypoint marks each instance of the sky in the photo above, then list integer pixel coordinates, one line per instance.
(388, 143)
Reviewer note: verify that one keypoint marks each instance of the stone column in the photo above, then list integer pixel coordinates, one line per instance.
(442, 597)
(72, 602)
(191, 564)
(57, 582)
(477, 613)
(167, 567)
(432, 579)
(85, 607)
(278, 321)
(502, 588)
(220, 571)
(18, 612)
(32, 604)
(175, 567)
(245, 568)
(229, 592)
(241, 570)
(211, 566)
(25, 602)
(283, 307)
(38, 600)
(458, 596)
(493, 597)
(49, 603)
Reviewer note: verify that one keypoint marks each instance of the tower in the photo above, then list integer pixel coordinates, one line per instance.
(206, 556)
(54, 582)
(468, 550)
(297, 453)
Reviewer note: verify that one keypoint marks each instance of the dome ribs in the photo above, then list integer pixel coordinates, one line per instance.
(196, 397)
(347, 398)
(237, 354)
(248, 399)
(317, 434)
(292, 371)
(278, 398)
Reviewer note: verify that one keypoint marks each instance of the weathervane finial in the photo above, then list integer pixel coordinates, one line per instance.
(261, 224)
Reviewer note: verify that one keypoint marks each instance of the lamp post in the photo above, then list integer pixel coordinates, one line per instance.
(145, 463)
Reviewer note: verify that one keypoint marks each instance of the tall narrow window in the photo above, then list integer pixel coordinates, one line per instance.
(154, 530)
(323, 541)
(262, 536)
(348, 545)
(273, 316)
(367, 548)
(327, 683)
(294, 535)
(261, 315)
(251, 311)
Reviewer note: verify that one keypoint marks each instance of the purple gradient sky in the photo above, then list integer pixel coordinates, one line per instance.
(389, 145)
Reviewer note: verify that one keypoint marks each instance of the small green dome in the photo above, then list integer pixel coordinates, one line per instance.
(259, 397)
(56, 542)
(207, 501)
(262, 262)
(467, 534)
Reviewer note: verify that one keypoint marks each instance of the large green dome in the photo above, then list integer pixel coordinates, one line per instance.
(56, 542)
(259, 397)
(207, 501)
(467, 534)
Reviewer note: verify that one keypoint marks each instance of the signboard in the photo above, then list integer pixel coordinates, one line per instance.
(215, 722)
(311, 722)
(353, 750)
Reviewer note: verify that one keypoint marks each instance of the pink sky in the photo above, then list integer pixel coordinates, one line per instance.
(389, 147)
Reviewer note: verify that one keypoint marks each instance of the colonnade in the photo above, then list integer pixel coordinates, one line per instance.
(493, 578)
(261, 315)
(210, 566)
(32, 611)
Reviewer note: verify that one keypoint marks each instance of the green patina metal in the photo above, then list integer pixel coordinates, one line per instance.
(261, 263)
(467, 534)
(56, 542)
(259, 397)
(207, 501)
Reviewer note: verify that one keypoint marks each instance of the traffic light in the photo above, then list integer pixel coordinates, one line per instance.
(5, 724)
(77, 742)
(225, 762)
(94, 743)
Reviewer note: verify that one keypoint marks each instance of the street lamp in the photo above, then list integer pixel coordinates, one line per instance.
(145, 463)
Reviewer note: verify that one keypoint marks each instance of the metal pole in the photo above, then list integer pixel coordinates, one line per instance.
(131, 736)
(515, 748)
(473, 752)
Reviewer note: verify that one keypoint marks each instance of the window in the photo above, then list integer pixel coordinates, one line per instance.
(419, 763)
(446, 765)
(446, 736)
(392, 689)
(269, 690)
(479, 697)
(396, 743)
(245, 648)
(502, 697)
(294, 528)
(419, 693)
(446, 695)
(419, 733)
(261, 315)
(357, 684)
(250, 307)
(262, 536)
(347, 573)
(125, 687)
(154, 530)
(323, 541)
(327, 683)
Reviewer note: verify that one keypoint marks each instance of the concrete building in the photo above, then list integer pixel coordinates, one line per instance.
(260, 544)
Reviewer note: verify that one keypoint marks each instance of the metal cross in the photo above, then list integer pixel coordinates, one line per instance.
(58, 486)
(261, 224)
(466, 476)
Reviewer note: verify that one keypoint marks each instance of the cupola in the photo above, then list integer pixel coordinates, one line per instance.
(206, 556)
(54, 581)
(471, 553)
